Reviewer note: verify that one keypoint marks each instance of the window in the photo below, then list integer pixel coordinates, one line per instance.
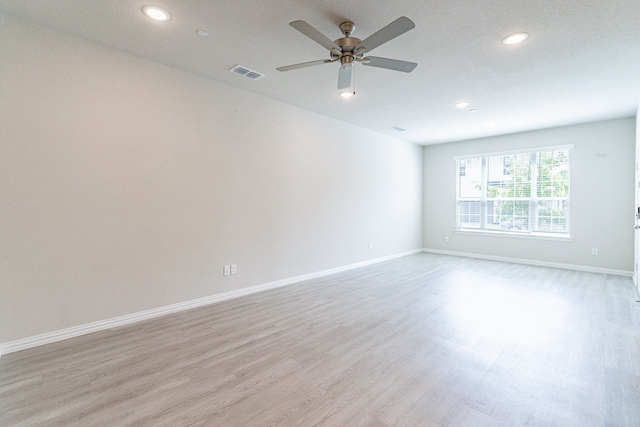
(514, 192)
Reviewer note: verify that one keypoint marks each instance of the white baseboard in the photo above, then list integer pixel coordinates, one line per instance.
(576, 267)
(63, 334)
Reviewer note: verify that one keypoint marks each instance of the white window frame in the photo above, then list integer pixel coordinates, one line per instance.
(533, 197)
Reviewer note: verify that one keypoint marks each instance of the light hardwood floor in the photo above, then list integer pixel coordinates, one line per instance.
(425, 340)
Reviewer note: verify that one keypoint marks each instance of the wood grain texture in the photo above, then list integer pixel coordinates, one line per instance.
(425, 340)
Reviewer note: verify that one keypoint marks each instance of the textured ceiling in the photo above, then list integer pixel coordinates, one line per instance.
(580, 63)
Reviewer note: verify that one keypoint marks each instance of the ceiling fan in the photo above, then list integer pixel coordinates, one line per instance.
(348, 50)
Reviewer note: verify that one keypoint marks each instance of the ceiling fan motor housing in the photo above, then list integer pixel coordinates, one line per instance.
(347, 44)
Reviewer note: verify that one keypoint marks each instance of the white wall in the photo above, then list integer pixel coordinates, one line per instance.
(126, 185)
(602, 197)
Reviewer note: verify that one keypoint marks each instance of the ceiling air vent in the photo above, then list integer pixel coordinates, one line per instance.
(244, 71)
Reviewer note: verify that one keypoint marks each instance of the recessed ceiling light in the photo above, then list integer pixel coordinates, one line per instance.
(515, 38)
(347, 94)
(462, 104)
(473, 110)
(398, 128)
(156, 13)
(202, 33)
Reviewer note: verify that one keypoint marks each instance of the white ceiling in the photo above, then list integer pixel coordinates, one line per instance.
(580, 63)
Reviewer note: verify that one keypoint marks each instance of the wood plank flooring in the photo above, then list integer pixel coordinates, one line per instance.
(425, 340)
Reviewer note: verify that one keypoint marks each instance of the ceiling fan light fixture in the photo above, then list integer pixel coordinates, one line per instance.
(515, 38)
(156, 13)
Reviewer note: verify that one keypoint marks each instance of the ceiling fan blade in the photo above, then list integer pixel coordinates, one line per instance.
(304, 65)
(390, 64)
(391, 31)
(314, 35)
(344, 77)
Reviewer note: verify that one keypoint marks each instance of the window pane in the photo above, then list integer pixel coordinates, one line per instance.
(509, 176)
(508, 215)
(470, 178)
(469, 214)
(553, 173)
(552, 216)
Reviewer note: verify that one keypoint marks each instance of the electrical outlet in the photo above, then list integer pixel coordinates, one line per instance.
(594, 251)
(370, 245)
(234, 268)
(227, 270)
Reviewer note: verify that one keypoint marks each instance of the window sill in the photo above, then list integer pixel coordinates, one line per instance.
(514, 235)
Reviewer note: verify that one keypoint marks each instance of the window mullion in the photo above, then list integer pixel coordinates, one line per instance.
(483, 198)
(533, 196)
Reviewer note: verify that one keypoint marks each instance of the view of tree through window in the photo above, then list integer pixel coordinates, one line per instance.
(524, 192)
